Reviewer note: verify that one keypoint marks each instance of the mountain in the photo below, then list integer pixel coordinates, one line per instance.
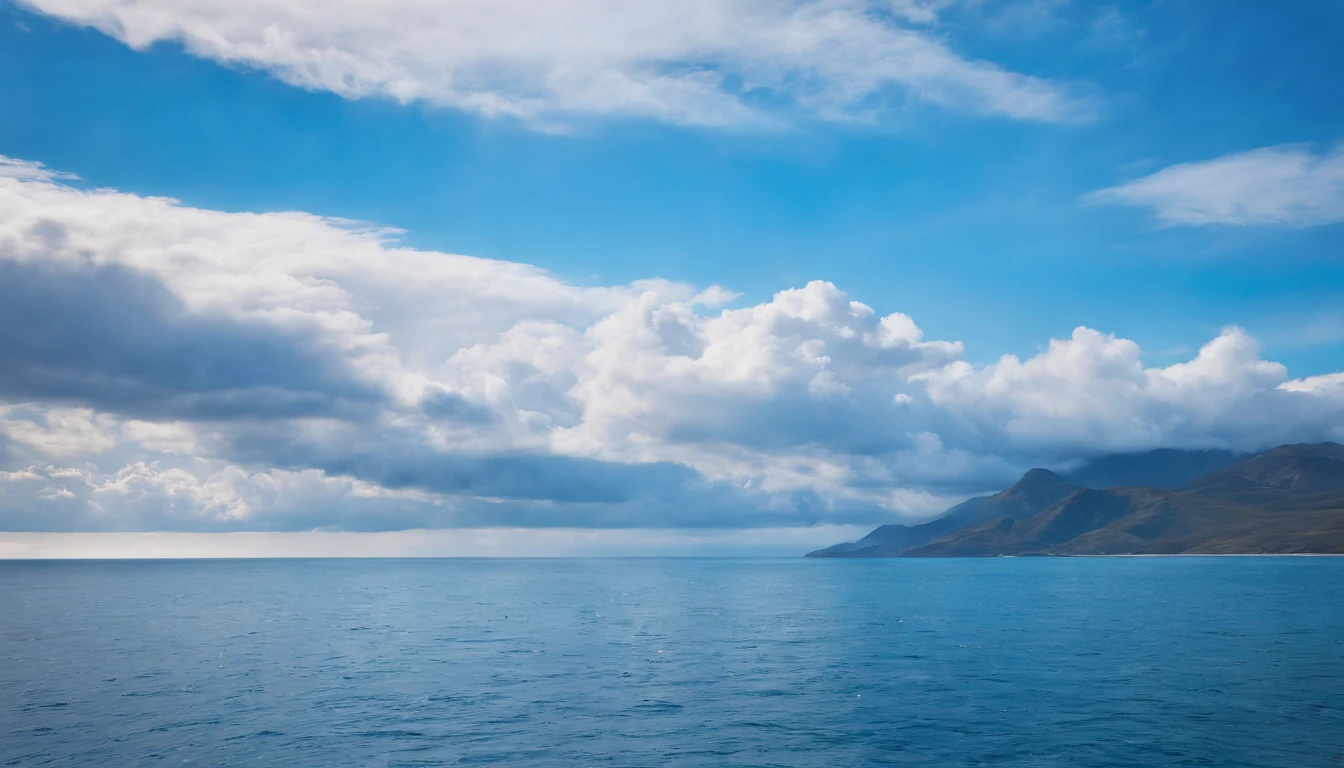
(1038, 488)
(1301, 468)
(1288, 499)
(1081, 512)
(1166, 468)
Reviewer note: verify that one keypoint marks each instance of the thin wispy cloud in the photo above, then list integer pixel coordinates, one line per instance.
(1288, 185)
(696, 62)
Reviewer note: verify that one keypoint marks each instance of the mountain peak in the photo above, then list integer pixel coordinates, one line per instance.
(1038, 489)
(1037, 477)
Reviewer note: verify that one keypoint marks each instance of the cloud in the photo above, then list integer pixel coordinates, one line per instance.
(171, 368)
(58, 432)
(1092, 392)
(1287, 185)
(107, 335)
(254, 288)
(695, 62)
(200, 496)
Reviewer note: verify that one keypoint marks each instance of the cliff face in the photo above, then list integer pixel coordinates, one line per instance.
(1288, 499)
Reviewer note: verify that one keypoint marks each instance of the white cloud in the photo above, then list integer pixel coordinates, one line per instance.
(287, 272)
(58, 432)
(1092, 392)
(1330, 383)
(320, 375)
(1287, 185)
(687, 62)
(205, 495)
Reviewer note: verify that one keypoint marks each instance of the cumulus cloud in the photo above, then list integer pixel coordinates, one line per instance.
(170, 368)
(1092, 392)
(1287, 185)
(211, 497)
(104, 334)
(697, 62)
(57, 432)
(225, 278)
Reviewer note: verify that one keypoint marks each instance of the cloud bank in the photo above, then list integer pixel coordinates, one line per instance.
(171, 368)
(1288, 185)
(693, 62)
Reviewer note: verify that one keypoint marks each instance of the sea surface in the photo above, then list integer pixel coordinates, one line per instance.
(674, 662)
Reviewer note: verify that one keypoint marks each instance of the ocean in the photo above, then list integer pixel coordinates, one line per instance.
(1182, 661)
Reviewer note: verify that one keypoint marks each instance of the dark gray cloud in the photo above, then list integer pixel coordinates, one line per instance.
(532, 489)
(108, 337)
(599, 495)
(452, 406)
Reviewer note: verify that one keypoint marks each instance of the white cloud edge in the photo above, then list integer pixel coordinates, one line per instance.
(1287, 185)
(546, 62)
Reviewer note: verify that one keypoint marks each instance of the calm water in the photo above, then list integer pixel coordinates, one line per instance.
(1016, 662)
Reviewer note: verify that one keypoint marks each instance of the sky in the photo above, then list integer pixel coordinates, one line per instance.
(587, 276)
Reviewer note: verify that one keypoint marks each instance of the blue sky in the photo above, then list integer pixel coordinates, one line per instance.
(971, 224)
(958, 180)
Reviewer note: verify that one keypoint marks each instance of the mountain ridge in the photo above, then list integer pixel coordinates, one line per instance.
(1035, 487)
(1166, 468)
(1288, 499)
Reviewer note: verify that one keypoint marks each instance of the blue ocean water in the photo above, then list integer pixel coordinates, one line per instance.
(674, 662)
